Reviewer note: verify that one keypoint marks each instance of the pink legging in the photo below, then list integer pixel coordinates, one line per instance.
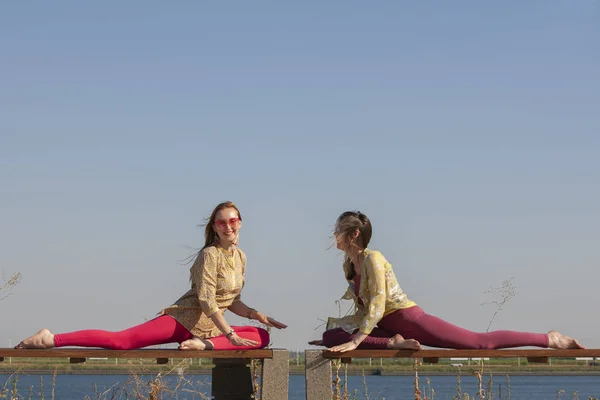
(414, 323)
(160, 330)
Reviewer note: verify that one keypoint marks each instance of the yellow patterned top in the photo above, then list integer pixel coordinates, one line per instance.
(217, 278)
(379, 292)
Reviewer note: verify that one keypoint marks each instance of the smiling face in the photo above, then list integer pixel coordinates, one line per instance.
(227, 225)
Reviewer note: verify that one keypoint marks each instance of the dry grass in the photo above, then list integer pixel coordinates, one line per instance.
(487, 393)
(139, 386)
(340, 387)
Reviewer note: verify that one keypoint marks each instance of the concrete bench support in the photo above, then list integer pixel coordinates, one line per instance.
(232, 380)
(318, 376)
(275, 376)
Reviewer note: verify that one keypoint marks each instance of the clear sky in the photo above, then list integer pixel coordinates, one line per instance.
(469, 132)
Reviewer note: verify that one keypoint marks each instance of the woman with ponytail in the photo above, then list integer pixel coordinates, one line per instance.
(196, 320)
(386, 318)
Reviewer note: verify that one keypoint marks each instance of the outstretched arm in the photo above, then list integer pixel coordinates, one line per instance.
(240, 308)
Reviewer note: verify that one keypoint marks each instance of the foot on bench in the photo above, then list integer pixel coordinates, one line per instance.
(44, 339)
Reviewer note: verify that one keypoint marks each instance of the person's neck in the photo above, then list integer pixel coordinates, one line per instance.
(227, 245)
(356, 256)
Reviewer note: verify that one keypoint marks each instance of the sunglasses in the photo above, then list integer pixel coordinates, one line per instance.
(233, 222)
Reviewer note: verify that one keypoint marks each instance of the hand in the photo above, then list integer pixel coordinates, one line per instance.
(240, 341)
(344, 347)
(268, 321)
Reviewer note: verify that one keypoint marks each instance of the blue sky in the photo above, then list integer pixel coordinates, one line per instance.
(467, 132)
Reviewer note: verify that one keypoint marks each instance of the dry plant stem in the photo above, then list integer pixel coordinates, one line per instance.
(53, 382)
(505, 292)
(458, 386)
(366, 393)
(14, 390)
(489, 393)
(345, 394)
(336, 381)
(41, 389)
(429, 393)
(6, 285)
(417, 390)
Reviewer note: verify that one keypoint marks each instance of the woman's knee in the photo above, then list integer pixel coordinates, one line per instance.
(264, 336)
(255, 333)
(332, 337)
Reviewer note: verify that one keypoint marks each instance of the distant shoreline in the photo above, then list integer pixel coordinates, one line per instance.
(495, 373)
(353, 372)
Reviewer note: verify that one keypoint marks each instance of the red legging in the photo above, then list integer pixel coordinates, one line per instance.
(414, 323)
(160, 330)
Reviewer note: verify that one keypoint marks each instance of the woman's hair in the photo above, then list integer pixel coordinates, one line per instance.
(210, 235)
(346, 225)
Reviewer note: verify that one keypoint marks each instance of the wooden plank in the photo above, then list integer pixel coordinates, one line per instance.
(142, 353)
(346, 361)
(162, 361)
(76, 360)
(430, 360)
(507, 353)
(1, 359)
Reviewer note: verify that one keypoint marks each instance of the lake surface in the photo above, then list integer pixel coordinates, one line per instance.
(77, 387)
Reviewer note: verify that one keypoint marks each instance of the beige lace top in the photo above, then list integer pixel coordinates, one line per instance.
(379, 292)
(217, 278)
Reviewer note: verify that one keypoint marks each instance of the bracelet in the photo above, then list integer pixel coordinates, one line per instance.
(230, 334)
(250, 311)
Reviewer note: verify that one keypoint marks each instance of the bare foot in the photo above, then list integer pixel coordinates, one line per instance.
(44, 339)
(196, 344)
(398, 342)
(316, 343)
(557, 340)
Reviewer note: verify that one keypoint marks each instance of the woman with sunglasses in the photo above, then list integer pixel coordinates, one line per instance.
(387, 318)
(196, 321)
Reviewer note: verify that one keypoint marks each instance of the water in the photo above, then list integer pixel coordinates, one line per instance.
(521, 387)
(77, 387)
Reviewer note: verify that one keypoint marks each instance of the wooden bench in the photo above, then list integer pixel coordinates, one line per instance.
(231, 375)
(318, 362)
